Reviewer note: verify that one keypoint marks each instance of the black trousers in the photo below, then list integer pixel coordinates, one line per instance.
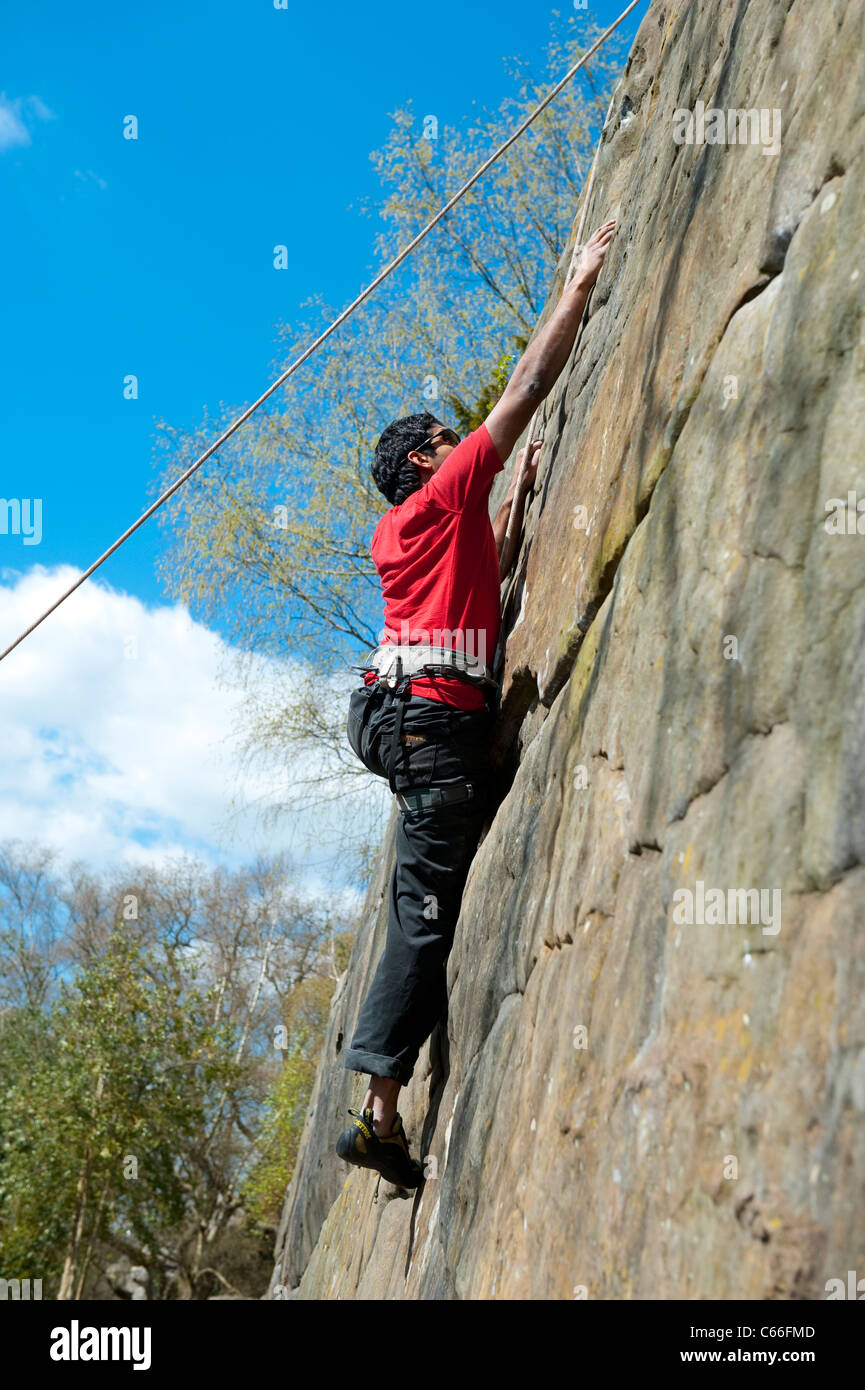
(439, 746)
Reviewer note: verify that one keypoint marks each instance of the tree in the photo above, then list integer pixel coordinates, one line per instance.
(31, 926)
(132, 1094)
(305, 1014)
(128, 1064)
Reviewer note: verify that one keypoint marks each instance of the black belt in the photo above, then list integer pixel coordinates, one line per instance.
(431, 797)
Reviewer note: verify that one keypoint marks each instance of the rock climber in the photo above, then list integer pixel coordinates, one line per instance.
(423, 717)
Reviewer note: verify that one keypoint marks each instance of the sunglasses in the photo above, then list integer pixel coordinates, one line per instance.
(450, 437)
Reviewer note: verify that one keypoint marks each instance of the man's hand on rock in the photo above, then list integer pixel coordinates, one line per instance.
(593, 253)
(529, 452)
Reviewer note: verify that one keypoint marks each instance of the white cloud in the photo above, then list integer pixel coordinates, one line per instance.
(118, 737)
(37, 106)
(88, 178)
(16, 115)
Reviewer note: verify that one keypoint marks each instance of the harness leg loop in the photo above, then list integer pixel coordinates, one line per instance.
(402, 693)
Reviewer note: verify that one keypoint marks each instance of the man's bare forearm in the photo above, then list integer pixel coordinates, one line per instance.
(536, 374)
(544, 359)
(500, 524)
(533, 379)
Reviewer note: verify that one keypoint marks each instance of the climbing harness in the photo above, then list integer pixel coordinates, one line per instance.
(362, 702)
(341, 318)
(395, 666)
(434, 797)
(393, 662)
(428, 797)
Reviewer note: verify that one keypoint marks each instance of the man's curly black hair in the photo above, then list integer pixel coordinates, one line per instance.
(394, 474)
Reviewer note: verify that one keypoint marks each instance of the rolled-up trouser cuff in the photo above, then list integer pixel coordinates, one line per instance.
(358, 1060)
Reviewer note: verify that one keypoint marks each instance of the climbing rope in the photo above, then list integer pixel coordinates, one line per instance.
(299, 361)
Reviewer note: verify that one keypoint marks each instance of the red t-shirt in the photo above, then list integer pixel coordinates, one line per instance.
(436, 556)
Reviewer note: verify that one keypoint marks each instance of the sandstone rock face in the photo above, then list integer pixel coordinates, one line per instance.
(635, 1096)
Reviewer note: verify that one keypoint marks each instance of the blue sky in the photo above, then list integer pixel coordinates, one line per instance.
(154, 257)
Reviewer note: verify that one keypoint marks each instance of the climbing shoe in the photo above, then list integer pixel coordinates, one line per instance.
(388, 1155)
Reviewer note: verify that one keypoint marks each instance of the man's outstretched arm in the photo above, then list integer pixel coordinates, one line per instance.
(539, 369)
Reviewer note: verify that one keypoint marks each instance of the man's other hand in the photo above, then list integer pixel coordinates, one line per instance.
(530, 453)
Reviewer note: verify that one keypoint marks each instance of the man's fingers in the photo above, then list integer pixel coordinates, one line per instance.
(604, 231)
(601, 236)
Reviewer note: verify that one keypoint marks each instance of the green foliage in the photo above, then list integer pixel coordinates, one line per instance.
(468, 418)
(130, 1065)
(285, 1112)
(132, 1094)
(306, 1012)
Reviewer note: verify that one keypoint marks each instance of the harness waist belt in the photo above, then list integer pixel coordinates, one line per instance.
(395, 662)
(434, 796)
